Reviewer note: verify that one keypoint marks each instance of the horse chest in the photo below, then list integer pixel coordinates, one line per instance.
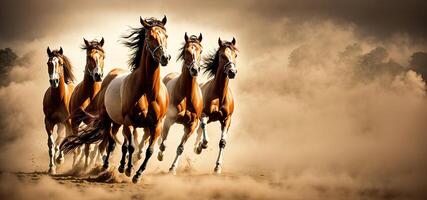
(144, 113)
(185, 112)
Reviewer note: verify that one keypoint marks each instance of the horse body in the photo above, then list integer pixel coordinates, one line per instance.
(56, 104)
(86, 91)
(186, 104)
(143, 98)
(217, 96)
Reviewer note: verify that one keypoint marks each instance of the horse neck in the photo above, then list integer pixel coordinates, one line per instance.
(60, 92)
(221, 82)
(188, 83)
(149, 75)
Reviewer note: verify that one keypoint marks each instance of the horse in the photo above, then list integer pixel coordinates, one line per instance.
(217, 96)
(186, 104)
(56, 103)
(86, 90)
(135, 99)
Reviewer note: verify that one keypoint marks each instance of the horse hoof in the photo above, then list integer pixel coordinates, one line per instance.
(172, 171)
(105, 166)
(140, 156)
(217, 170)
(198, 150)
(160, 156)
(204, 145)
(135, 179)
(59, 160)
(128, 172)
(52, 171)
(121, 169)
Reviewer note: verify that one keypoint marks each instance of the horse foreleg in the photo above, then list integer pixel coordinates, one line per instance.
(131, 149)
(188, 130)
(142, 143)
(165, 132)
(154, 135)
(201, 131)
(125, 149)
(49, 130)
(60, 155)
(111, 143)
(222, 142)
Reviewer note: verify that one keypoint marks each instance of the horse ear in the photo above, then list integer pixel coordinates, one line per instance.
(186, 37)
(200, 37)
(61, 51)
(49, 52)
(143, 22)
(164, 20)
(102, 42)
(233, 41)
(86, 42)
(220, 43)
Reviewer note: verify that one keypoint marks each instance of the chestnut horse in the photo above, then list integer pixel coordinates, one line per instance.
(186, 104)
(217, 97)
(56, 103)
(86, 90)
(136, 99)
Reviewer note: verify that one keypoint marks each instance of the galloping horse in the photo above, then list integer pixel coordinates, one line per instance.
(217, 97)
(186, 104)
(136, 99)
(56, 103)
(86, 90)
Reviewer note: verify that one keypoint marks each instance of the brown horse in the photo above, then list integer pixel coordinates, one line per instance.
(186, 104)
(56, 103)
(217, 97)
(86, 90)
(136, 99)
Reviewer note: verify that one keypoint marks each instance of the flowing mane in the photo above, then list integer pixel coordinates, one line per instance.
(68, 68)
(211, 62)
(136, 42)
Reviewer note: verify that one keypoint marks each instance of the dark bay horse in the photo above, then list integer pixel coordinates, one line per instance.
(186, 104)
(86, 90)
(136, 99)
(217, 97)
(56, 103)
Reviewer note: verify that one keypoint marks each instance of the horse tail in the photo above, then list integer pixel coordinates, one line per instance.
(93, 132)
(169, 77)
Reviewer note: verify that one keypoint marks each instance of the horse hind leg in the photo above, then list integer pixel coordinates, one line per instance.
(111, 143)
(60, 155)
(49, 130)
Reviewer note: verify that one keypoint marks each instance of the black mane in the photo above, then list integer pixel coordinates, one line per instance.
(136, 41)
(211, 62)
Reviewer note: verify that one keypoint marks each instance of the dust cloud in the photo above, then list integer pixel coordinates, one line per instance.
(324, 108)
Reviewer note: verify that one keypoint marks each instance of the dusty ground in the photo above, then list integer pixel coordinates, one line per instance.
(186, 185)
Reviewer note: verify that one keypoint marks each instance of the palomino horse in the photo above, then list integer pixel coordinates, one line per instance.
(136, 99)
(186, 104)
(86, 90)
(55, 103)
(217, 97)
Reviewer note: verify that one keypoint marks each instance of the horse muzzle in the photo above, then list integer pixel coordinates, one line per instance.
(164, 59)
(232, 73)
(54, 83)
(97, 77)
